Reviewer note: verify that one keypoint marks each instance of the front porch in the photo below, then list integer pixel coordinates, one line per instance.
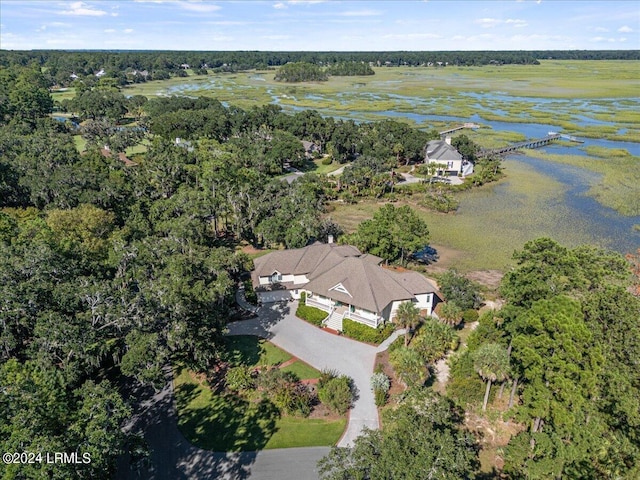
(337, 312)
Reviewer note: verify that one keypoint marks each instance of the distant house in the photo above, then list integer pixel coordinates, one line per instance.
(101, 73)
(343, 282)
(447, 158)
(310, 148)
(184, 144)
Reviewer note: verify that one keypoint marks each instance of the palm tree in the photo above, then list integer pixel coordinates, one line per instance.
(407, 316)
(450, 313)
(491, 362)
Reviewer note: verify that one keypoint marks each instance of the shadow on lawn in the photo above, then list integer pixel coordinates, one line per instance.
(243, 350)
(225, 422)
(171, 456)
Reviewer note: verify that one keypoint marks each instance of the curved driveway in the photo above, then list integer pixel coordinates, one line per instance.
(173, 457)
(321, 350)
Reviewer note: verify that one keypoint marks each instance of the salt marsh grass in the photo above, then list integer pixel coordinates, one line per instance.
(619, 187)
(495, 220)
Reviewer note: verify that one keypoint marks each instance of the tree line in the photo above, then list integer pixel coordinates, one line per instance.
(135, 66)
(309, 72)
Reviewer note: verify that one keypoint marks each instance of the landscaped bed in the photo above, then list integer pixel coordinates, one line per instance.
(223, 419)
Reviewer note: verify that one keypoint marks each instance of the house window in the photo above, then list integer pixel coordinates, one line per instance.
(449, 164)
(276, 277)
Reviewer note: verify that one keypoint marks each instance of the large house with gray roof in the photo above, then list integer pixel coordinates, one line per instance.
(447, 158)
(343, 282)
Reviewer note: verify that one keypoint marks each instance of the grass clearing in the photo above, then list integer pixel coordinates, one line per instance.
(80, 143)
(227, 422)
(253, 351)
(316, 166)
(306, 432)
(302, 370)
(221, 422)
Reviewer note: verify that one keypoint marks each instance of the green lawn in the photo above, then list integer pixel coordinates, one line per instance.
(302, 370)
(80, 143)
(224, 422)
(306, 432)
(254, 351)
(316, 166)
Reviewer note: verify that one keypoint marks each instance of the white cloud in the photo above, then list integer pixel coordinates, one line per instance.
(279, 6)
(603, 39)
(109, 30)
(488, 22)
(601, 29)
(196, 6)
(516, 22)
(128, 30)
(82, 9)
(625, 29)
(361, 13)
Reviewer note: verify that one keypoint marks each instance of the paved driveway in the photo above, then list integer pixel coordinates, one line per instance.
(321, 350)
(173, 457)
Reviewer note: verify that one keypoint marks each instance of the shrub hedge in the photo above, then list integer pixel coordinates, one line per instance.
(311, 314)
(363, 333)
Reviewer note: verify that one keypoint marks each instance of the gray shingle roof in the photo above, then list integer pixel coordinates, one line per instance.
(326, 265)
(441, 150)
(370, 286)
(303, 261)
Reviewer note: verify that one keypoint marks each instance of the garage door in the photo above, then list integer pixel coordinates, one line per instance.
(276, 296)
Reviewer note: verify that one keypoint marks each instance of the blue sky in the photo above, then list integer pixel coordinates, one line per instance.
(320, 25)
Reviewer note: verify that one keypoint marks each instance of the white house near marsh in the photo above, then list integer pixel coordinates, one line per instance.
(341, 281)
(447, 158)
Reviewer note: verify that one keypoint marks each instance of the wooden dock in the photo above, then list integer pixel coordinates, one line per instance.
(540, 142)
(460, 127)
